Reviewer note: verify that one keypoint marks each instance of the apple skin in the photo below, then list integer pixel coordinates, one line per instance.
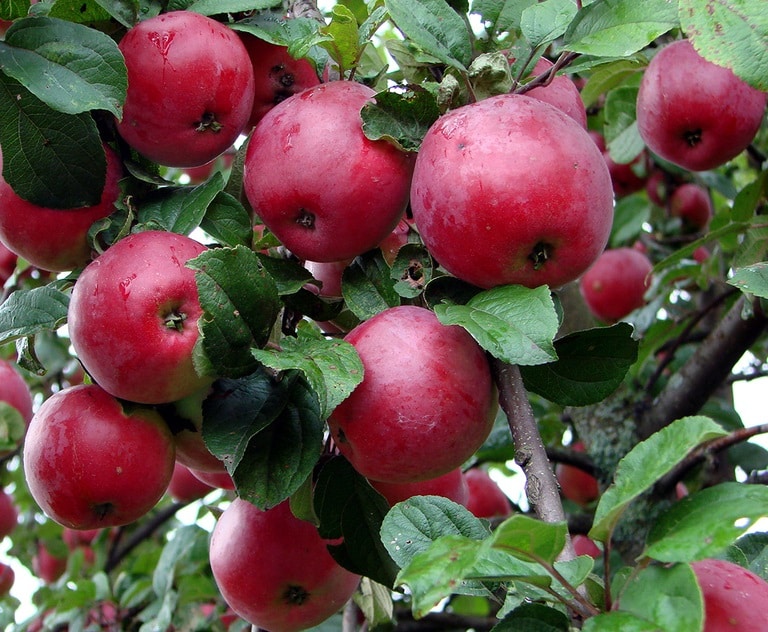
(185, 487)
(216, 480)
(277, 75)
(15, 392)
(486, 498)
(561, 92)
(582, 545)
(576, 484)
(365, 183)
(627, 178)
(190, 88)
(133, 318)
(694, 113)
(9, 514)
(47, 566)
(735, 598)
(692, 204)
(7, 577)
(532, 206)
(8, 258)
(426, 402)
(27, 229)
(452, 486)
(616, 284)
(275, 570)
(90, 463)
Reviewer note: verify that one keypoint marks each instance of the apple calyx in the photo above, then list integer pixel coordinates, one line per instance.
(540, 254)
(102, 510)
(175, 320)
(692, 137)
(295, 595)
(208, 122)
(305, 218)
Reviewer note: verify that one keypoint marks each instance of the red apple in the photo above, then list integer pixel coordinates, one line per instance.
(616, 284)
(486, 498)
(426, 402)
(326, 191)
(627, 178)
(55, 239)
(7, 577)
(561, 92)
(735, 598)
(582, 545)
(90, 462)
(47, 566)
(392, 243)
(329, 273)
(692, 204)
(694, 113)
(532, 206)
(185, 487)
(9, 514)
(8, 258)
(16, 394)
(75, 538)
(203, 172)
(190, 88)
(451, 486)
(274, 570)
(576, 484)
(216, 480)
(277, 75)
(133, 318)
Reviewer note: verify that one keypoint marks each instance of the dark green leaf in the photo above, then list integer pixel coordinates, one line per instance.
(37, 141)
(590, 366)
(513, 323)
(752, 279)
(533, 617)
(751, 551)
(619, 622)
(544, 22)
(240, 304)
(343, 48)
(646, 463)
(81, 11)
(27, 312)
(70, 67)
(349, 508)
(733, 34)
(227, 221)
(502, 15)
(746, 201)
(618, 28)
(690, 530)
(367, 287)
(401, 118)
(332, 367)
(289, 275)
(435, 27)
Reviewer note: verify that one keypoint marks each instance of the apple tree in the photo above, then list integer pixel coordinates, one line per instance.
(295, 296)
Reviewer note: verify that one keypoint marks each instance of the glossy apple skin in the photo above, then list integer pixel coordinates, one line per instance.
(190, 88)
(532, 206)
(616, 284)
(274, 570)
(332, 208)
(185, 487)
(694, 113)
(55, 239)
(576, 484)
(216, 480)
(692, 204)
(452, 486)
(486, 498)
(561, 92)
(426, 402)
(277, 75)
(9, 514)
(582, 545)
(89, 463)
(734, 597)
(119, 312)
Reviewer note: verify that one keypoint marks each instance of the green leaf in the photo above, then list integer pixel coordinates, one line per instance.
(513, 323)
(81, 11)
(544, 22)
(343, 48)
(367, 287)
(691, 531)
(435, 27)
(411, 270)
(591, 365)
(227, 221)
(502, 15)
(746, 201)
(752, 279)
(70, 67)
(185, 539)
(349, 508)
(732, 33)
(629, 215)
(618, 28)
(751, 551)
(37, 141)
(619, 622)
(608, 76)
(621, 135)
(180, 209)
(12, 427)
(530, 539)
(411, 526)
(645, 464)
(215, 7)
(289, 275)
(401, 118)
(668, 597)
(332, 367)
(533, 617)
(240, 306)
(28, 312)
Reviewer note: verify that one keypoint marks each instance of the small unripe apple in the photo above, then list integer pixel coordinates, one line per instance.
(486, 498)
(692, 204)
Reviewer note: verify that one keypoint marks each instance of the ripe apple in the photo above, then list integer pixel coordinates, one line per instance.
(582, 545)
(8, 258)
(392, 243)
(227, 618)
(532, 206)
(329, 273)
(486, 498)
(46, 566)
(185, 487)
(576, 484)
(55, 239)
(190, 88)
(277, 75)
(74, 538)
(216, 480)
(9, 514)
(426, 402)
(7, 577)
(561, 92)
(203, 172)
(452, 486)
(694, 113)
(133, 318)
(735, 598)
(274, 570)
(90, 462)
(326, 191)
(616, 284)
(628, 177)
(692, 204)
(14, 392)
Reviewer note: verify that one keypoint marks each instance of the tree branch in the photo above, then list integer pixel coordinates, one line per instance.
(711, 364)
